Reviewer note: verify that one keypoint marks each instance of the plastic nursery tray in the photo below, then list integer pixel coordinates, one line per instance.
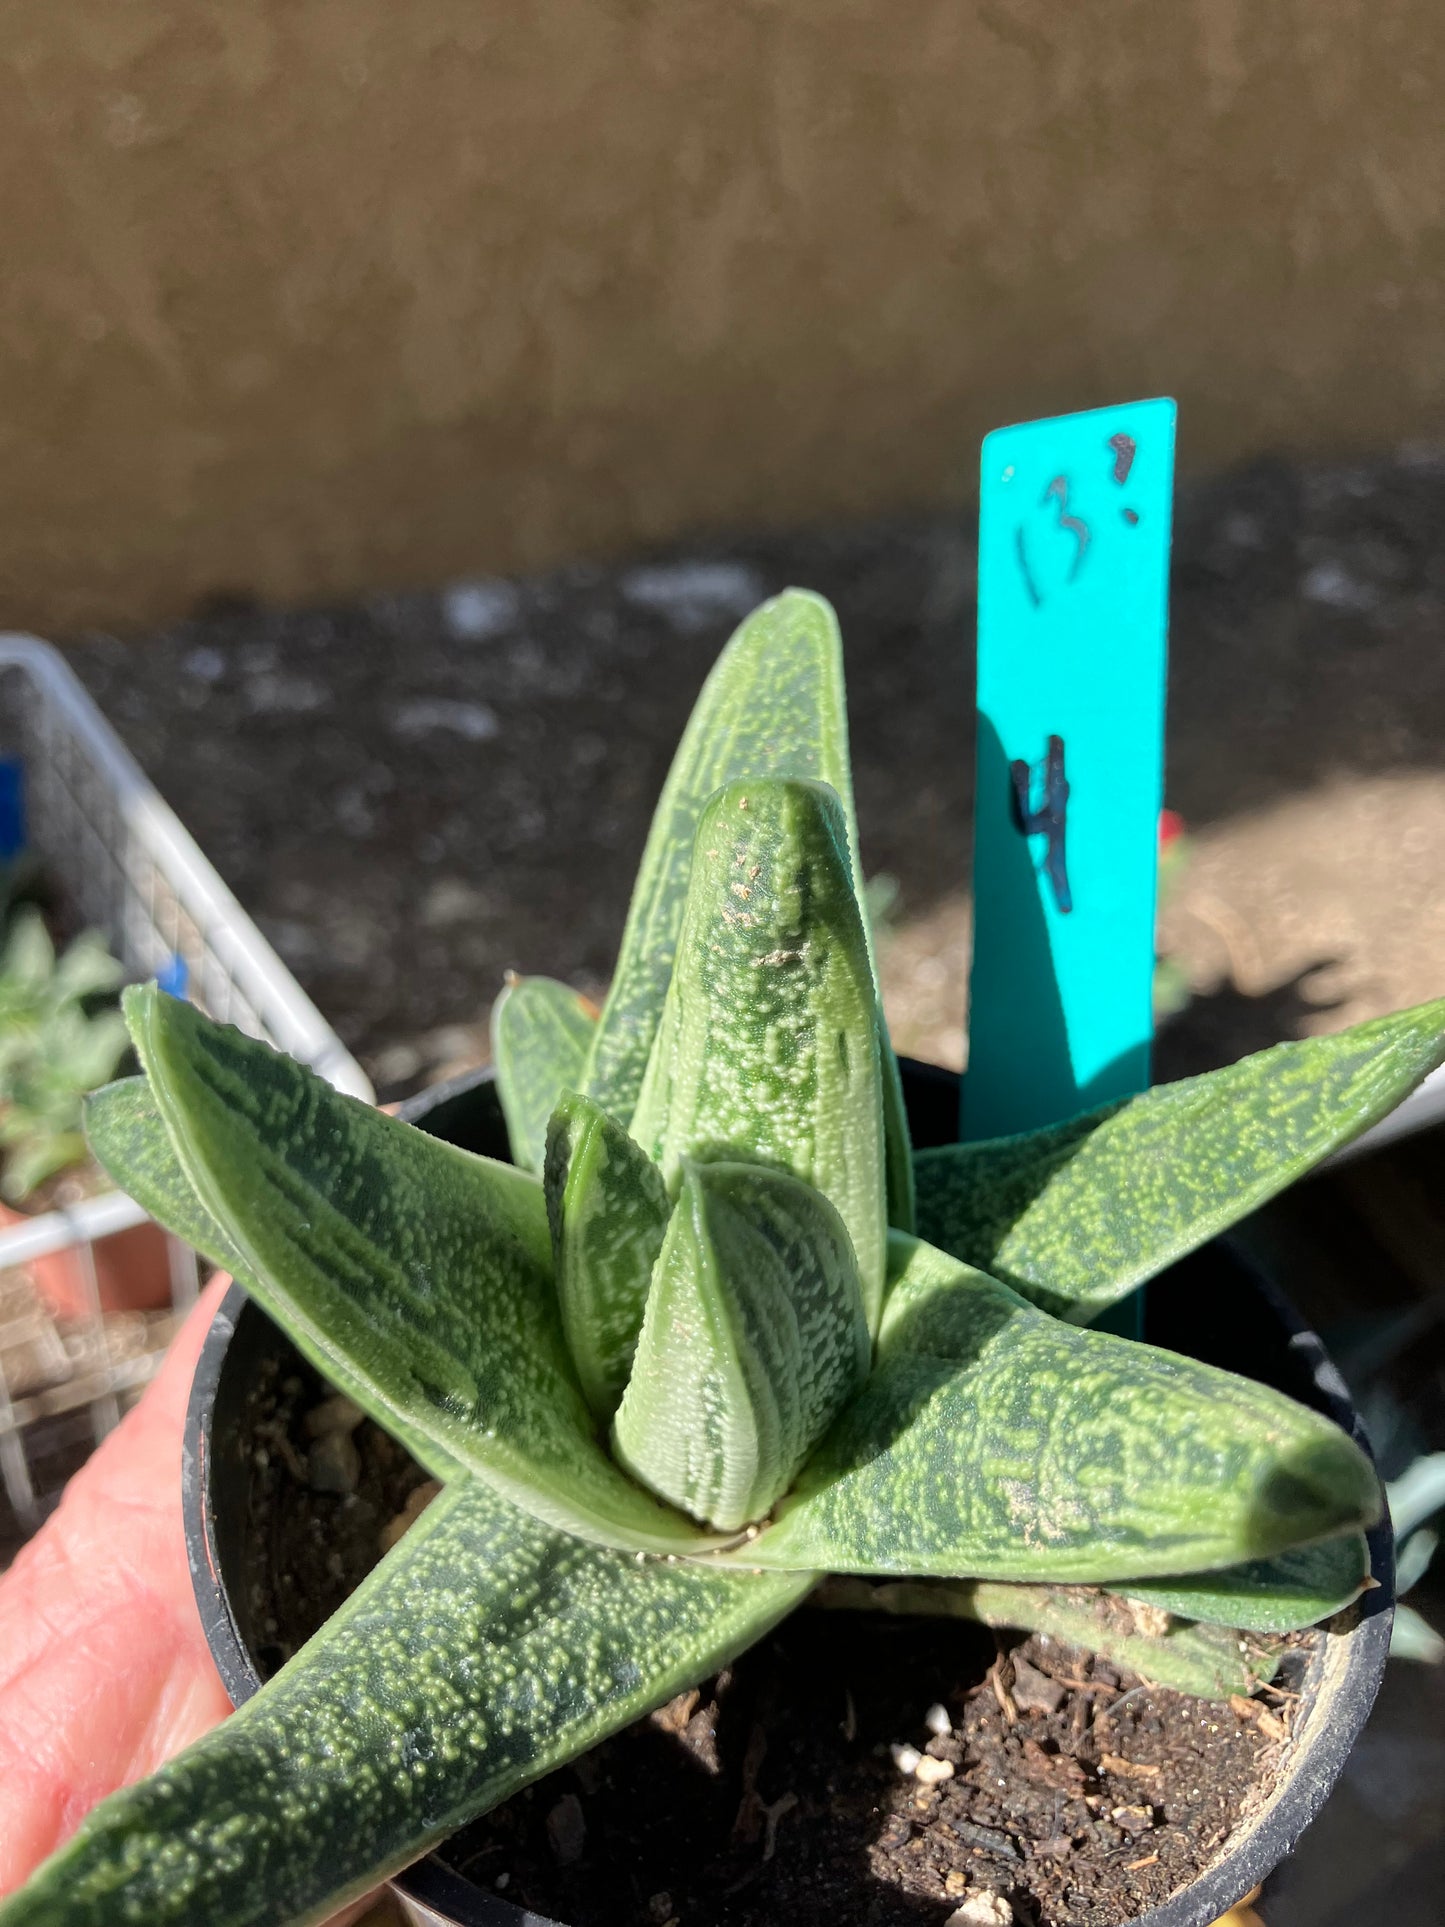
(121, 862)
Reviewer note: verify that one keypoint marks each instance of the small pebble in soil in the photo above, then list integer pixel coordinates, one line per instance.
(930, 1772)
(982, 1909)
(905, 1758)
(1033, 1691)
(1133, 1819)
(335, 1414)
(333, 1464)
(567, 1830)
(418, 1499)
(937, 1721)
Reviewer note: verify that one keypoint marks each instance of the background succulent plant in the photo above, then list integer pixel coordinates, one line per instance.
(55, 1045)
(714, 1335)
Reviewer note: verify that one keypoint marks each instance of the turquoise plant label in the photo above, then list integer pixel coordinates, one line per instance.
(1073, 596)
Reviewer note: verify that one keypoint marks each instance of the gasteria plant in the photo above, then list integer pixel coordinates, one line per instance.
(701, 1345)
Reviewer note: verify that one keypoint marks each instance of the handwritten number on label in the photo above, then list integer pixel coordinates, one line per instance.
(1050, 819)
(1058, 491)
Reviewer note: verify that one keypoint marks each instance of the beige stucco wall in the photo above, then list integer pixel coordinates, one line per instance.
(301, 295)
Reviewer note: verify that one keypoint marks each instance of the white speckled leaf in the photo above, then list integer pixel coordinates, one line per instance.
(753, 1340)
(484, 1651)
(124, 1130)
(128, 1136)
(608, 1208)
(773, 706)
(768, 1047)
(541, 1033)
(1076, 1216)
(995, 1442)
(1278, 1595)
(417, 1277)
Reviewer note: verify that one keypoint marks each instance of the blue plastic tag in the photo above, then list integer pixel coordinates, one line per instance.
(174, 976)
(1073, 593)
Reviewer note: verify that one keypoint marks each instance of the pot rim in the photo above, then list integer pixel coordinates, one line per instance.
(1352, 1668)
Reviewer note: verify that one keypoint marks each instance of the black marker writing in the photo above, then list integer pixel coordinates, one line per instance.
(1024, 570)
(1058, 491)
(1049, 819)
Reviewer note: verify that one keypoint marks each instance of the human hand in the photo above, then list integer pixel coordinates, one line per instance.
(104, 1667)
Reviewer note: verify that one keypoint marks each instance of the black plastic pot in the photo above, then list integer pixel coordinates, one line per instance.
(1212, 1305)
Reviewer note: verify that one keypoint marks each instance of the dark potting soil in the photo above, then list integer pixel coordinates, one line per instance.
(1064, 1786)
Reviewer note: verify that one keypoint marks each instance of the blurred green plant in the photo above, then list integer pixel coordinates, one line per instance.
(1415, 1498)
(55, 1046)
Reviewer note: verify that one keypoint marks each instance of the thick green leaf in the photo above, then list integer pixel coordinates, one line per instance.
(541, 1032)
(1413, 1556)
(1418, 1494)
(898, 1147)
(1278, 1595)
(608, 1208)
(483, 1652)
(774, 706)
(1413, 1637)
(1209, 1662)
(1076, 1216)
(996, 1442)
(416, 1276)
(768, 1048)
(753, 1341)
(124, 1128)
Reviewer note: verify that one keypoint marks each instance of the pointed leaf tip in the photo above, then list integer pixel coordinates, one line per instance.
(416, 1276)
(769, 1048)
(1077, 1215)
(541, 1032)
(773, 706)
(996, 1442)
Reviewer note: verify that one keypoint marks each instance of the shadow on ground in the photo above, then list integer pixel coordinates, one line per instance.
(416, 792)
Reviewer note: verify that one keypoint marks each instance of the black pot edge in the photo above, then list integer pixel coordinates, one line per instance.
(1354, 1662)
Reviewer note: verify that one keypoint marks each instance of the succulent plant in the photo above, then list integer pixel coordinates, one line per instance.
(54, 1047)
(711, 1337)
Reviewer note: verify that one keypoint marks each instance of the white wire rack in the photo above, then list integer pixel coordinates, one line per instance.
(121, 862)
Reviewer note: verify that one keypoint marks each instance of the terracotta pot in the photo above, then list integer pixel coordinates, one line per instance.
(132, 1271)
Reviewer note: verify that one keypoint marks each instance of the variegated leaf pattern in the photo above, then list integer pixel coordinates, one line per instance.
(995, 1441)
(481, 1653)
(416, 1276)
(773, 706)
(768, 1047)
(1296, 1588)
(608, 1208)
(753, 1340)
(1076, 1216)
(541, 1033)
